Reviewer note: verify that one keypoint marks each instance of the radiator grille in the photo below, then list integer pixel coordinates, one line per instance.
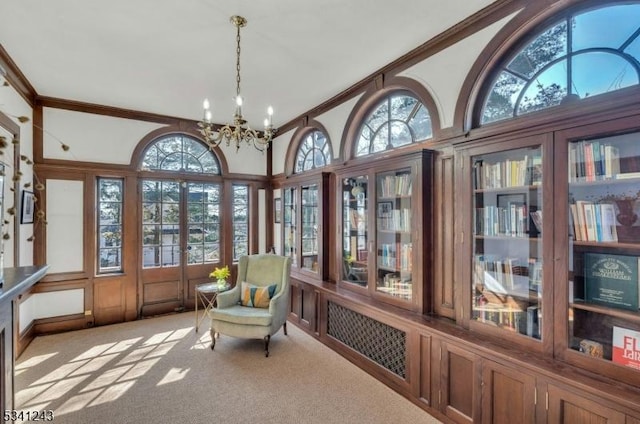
(379, 342)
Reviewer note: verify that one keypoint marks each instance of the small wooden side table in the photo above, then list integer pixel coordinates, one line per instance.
(206, 295)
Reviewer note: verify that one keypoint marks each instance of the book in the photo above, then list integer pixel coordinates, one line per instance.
(611, 280)
(626, 347)
(591, 348)
(608, 219)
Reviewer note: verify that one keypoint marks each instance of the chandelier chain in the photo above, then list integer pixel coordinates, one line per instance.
(238, 62)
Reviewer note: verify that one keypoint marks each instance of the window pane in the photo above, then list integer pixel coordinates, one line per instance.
(400, 134)
(614, 73)
(240, 221)
(109, 209)
(548, 90)
(547, 47)
(502, 98)
(594, 29)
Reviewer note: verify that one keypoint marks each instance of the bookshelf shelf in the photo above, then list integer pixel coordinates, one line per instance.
(613, 312)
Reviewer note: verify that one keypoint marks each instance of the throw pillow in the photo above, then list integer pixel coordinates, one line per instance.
(256, 296)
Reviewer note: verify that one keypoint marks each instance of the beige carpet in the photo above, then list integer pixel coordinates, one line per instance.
(160, 370)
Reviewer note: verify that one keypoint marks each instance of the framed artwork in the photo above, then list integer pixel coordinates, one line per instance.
(385, 209)
(27, 207)
(277, 206)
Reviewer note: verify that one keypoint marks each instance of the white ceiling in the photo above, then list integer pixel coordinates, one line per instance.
(165, 57)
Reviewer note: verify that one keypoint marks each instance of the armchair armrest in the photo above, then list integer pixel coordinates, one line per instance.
(279, 307)
(228, 298)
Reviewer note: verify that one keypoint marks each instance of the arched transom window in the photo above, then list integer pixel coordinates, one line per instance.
(180, 153)
(582, 55)
(314, 152)
(399, 119)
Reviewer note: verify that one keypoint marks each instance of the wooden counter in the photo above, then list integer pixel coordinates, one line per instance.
(16, 281)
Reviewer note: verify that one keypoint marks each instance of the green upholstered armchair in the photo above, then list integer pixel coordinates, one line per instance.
(231, 318)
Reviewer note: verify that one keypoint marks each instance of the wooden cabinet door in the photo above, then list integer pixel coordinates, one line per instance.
(508, 395)
(569, 408)
(459, 384)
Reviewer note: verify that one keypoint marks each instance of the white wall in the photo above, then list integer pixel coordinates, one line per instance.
(65, 248)
(50, 304)
(92, 138)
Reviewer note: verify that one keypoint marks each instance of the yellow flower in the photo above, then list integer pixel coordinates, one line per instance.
(220, 273)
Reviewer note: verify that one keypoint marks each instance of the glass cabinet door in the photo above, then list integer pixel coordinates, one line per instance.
(289, 225)
(507, 241)
(394, 244)
(604, 250)
(355, 239)
(309, 230)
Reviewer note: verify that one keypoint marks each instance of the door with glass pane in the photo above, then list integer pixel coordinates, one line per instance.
(180, 237)
(510, 248)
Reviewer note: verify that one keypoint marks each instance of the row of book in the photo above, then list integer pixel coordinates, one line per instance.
(511, 221)
(396, 286)
(397, 256)
(527, 321)
(395, 185)
(508, 173)
(590, 160)
(507, 275)
(395, 220)
(593, 221)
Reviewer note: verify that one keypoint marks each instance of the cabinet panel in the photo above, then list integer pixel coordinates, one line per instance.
(444, 257)
(460, 384)
(569, 408)
(508, 396)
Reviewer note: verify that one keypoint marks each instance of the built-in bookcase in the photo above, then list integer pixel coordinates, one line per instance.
(507, 240)
(305, 224)
(386, 229)
(603, 233)
(506, 229)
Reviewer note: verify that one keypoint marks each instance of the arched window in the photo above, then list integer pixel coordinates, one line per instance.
(314, 152)
(399, 119)
(584, 54)
(180, 153)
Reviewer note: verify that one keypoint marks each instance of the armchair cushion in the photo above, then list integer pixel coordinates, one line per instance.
(242, 315)
(256, 296)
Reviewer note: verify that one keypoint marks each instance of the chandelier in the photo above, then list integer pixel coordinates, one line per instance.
(240, 131)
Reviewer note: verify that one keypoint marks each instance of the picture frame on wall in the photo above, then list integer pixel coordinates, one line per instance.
(277, 206)
(27, 207)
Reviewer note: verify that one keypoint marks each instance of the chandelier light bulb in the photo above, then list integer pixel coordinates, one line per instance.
(207, 115)
(205, 104)
(238, 100)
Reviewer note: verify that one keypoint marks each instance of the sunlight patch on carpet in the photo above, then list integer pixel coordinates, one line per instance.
(174, 374)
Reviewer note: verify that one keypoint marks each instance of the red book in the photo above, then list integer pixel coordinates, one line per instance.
(626, 347)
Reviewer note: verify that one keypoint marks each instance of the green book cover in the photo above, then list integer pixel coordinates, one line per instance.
(611, 280)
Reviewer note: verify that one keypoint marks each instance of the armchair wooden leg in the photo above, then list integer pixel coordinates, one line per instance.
(285, 328)
(266, 345)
